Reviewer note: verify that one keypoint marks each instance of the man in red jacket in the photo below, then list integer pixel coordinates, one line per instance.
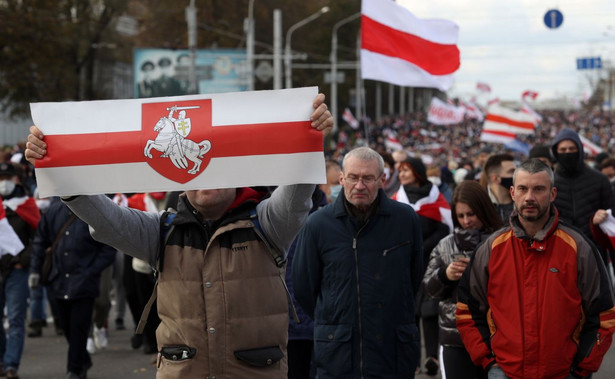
(536, 301)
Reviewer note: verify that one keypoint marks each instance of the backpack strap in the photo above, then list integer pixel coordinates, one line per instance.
(166, 229)
(278, 258)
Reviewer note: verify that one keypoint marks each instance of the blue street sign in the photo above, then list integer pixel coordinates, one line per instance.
(553, 18)
(589, 63)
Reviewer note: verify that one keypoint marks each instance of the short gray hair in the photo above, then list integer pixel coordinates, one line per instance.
(534, 166)
(365, 154)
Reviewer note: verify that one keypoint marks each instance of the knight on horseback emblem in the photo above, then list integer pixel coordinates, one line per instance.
(172, 140)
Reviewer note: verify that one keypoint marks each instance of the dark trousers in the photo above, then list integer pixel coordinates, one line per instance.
(458, 364)
(300, 359)
(76, 319)
(139, 287)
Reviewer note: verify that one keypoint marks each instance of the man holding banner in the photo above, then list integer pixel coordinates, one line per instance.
(220, 259)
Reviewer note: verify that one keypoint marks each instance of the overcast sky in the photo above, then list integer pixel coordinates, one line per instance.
(506, 44)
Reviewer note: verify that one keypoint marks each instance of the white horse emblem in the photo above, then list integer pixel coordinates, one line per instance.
(172, 141)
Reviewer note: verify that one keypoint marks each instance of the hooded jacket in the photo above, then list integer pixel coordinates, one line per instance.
(582, 191)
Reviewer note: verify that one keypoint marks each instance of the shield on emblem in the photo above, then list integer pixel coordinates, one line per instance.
(183, 126)
(171, 143)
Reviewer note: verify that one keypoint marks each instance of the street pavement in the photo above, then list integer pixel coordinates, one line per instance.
(45, 358)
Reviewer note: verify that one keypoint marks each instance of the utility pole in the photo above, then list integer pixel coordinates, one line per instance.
(191, 21)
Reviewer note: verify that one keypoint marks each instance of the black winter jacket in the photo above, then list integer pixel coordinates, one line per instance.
(78, 260)
(582, 192)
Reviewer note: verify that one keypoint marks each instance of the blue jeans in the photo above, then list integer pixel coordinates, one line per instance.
(497, 373)
(16, 294)
(37, 303)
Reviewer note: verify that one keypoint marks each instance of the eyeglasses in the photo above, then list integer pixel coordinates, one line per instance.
(366, 180)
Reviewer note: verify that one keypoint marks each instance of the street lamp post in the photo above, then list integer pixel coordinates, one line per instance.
(334, 65)
(287, 51)
(250, 45)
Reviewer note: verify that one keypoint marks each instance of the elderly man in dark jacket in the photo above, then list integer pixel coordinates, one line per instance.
(78, 261)
(357, 267)
(583, 194)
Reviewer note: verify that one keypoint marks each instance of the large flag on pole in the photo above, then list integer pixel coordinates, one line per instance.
(399, 48)
(222, 140)
(502, 125)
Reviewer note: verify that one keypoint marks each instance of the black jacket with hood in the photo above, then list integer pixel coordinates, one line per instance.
(581, 190)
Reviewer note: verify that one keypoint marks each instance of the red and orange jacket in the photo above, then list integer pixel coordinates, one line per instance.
(539, 307)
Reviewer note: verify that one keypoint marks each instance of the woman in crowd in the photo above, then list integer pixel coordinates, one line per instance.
(474, 217)
(435, 216)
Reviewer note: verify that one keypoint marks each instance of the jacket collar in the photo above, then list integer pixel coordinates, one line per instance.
(384, 204)
(543, 234)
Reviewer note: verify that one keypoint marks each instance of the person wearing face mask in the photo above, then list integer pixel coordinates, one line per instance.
(475, 218)
(333, 187)
(498, 173)
(23, 216)
(583, 194)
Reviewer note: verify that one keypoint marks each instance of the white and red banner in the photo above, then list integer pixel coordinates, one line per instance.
(178, 143)
(433, 206)
(502, 125)
(399, 48)
(483, 87)
(441, 113)
(350, 119)
(589, 147)
(9, 241)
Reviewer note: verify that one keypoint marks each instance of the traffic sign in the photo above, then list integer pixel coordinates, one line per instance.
(553, 19)
(589, 63)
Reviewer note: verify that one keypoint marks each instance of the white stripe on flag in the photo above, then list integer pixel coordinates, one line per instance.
(11, 244)
(398, 71)
(486, 136)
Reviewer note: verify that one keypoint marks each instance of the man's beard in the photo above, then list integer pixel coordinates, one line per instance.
(538, 216)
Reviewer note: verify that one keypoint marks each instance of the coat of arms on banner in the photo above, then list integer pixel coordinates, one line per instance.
(176, 138)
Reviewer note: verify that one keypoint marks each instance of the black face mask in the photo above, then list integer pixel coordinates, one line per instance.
(568, 161)
(506, 182)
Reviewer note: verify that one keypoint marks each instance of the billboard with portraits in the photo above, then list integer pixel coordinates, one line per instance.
(166, 72)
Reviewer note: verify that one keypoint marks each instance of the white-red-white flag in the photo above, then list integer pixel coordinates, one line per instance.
(399, 48)
(393, 144)
(483, 87)
(223, 140)
(493, 101)
(473, 112)
(502, 125)
(589, 147)
(9, 240)
(433, 206)
(350, 119)
(441, 113)
(527, 109)
(529, 95)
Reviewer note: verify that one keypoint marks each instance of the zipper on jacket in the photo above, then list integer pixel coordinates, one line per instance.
(356, 271)
(385, 251)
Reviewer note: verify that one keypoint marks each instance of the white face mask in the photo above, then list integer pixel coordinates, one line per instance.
(6, 187)
(387, 173)
(335, 191)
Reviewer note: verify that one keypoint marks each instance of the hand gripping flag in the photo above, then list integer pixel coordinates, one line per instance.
(9, 241)
(222, 140)
(399, 48)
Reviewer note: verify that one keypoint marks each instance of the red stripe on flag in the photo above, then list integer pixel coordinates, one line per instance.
(499, 133)
(435, 58)
(520, 124)
(227, 141)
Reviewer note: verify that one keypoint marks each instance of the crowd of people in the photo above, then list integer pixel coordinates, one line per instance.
(471, 248)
